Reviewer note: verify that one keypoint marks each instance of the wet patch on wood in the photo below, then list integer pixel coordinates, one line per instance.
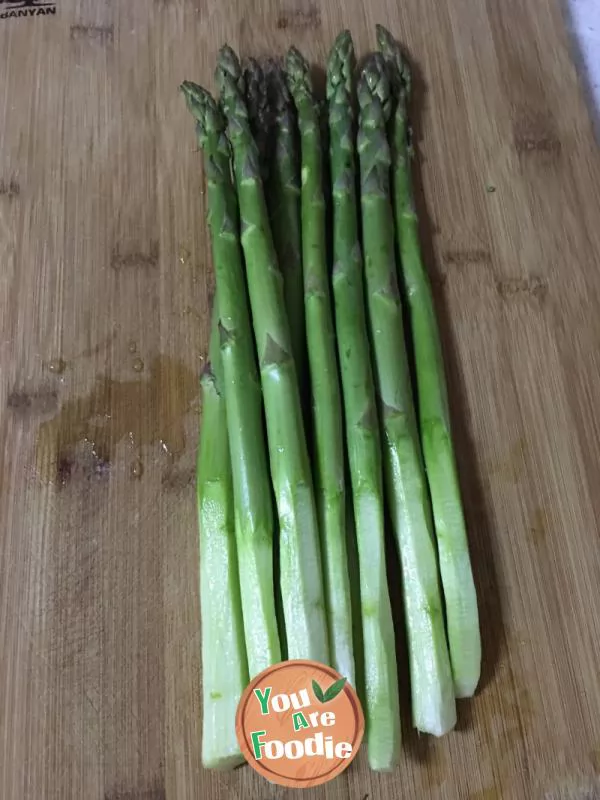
(80, 441)
(135, 259)
(299, 19)
(514, 288)
(102, 34)
(10, 188)
(84, 463)
(175, 480)
(463, 258)
(535, 134)
(32, 402)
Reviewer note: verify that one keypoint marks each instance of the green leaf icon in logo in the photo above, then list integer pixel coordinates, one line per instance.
(334, 689)
(318, 692)
(330, 693)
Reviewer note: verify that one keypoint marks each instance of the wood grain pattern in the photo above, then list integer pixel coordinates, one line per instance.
(104, 266)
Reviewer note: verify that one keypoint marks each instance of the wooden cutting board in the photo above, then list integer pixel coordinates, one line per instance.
(105, 281)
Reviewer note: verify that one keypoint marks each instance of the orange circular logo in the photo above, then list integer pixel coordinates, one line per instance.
(299, 723)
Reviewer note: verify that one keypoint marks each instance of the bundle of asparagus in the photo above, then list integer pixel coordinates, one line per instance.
(314, 344)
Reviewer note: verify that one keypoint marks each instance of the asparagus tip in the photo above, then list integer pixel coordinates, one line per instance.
(374, 86)
(343, 44)
(203, 108)
(392, 52)
(230, 80)
(386, 42)
(295, 62)
(254, 79)
(279, 94)
(340, 64)
(229, 69)
(297, 71)
(256, 95)
(191, 92)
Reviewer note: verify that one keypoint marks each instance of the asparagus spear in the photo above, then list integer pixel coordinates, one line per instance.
(260, 117)
(220, 603)
(300, 561)
(251, 480)
(455, 566)
(283, 200)
(362, 432)
(433, 704)
(322, 360)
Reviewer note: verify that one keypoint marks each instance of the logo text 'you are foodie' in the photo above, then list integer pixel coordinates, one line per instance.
(299, 723)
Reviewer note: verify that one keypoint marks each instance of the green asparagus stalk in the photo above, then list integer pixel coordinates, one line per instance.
(433, 704)
(455, 566)
(260, 117)
(362, 433)
(283, 201)
(300, 561)
(326, 400)
(251, 480)
(220, 603)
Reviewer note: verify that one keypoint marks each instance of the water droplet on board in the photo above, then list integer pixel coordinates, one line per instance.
(57, 366)
(165, 447)
(137, 469)
(138, 365)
